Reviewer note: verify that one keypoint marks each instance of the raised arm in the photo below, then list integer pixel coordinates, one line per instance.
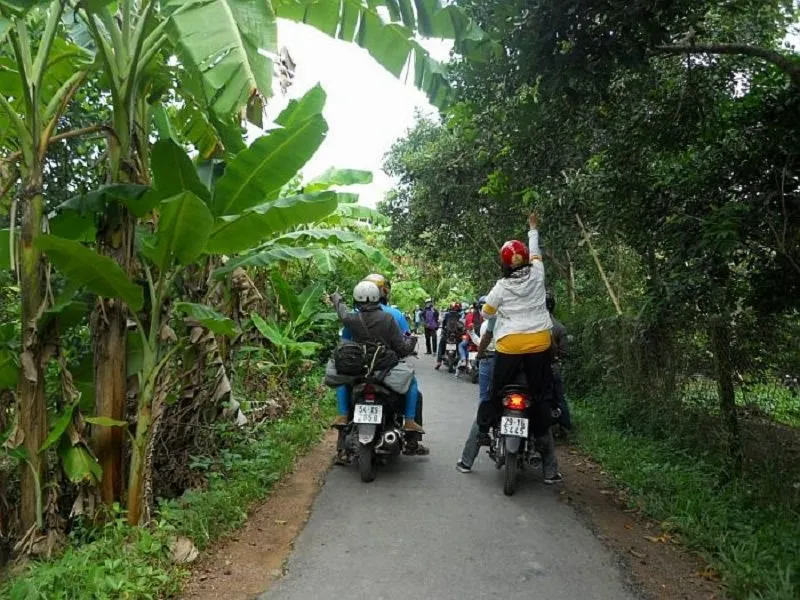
(339, 306)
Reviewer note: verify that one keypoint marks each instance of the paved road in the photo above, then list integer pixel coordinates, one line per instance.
(424, 530)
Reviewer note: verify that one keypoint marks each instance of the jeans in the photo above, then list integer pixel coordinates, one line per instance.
(471, 447)
(343, 399)
(463, 350)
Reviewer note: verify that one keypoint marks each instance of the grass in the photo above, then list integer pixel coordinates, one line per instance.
(754, 544)
(772, 399)
(120, 562)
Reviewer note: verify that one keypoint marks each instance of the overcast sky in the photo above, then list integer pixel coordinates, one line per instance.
(367, 107)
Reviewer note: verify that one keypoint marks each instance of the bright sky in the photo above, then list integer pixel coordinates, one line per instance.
(367, 107)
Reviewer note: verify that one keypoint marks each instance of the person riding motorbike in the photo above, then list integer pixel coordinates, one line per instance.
(559, 348)
(452, 329)
(522, 339)
(472, 323)
(369, 323)
(385, 286)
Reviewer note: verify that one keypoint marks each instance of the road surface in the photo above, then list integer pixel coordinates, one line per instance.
(424, 530)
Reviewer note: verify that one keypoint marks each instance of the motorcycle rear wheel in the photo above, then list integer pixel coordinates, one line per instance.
(512, 474)
(366, 462)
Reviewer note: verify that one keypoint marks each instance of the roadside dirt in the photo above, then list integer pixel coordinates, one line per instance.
(245, 564)
(660, 567)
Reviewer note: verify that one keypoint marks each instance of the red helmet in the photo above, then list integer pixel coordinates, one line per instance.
(514, 254)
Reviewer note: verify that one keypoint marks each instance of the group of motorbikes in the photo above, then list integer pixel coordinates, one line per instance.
(375, 434)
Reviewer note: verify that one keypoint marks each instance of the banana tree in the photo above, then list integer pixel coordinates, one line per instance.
(43, 78)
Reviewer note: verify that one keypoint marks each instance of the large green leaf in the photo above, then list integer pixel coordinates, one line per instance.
(183, 230)
(208, 318)
(59, 427)
(88, 206)
(9, 369)
(99, 274)
(334, 176)
(286, 295)
(78, 463)
(5, 250)
(257, 174)
(279, 338)
(362, 213)
(392, 44)
(235, 234)
(309, 302)
(268, 257)
(173, 172)
(301, 109)
(221, 40)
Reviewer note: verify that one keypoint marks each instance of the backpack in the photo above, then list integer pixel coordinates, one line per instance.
(361, 359)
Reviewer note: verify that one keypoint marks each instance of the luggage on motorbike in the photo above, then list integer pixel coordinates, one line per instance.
(334, 379)
(363, 359)
(398, 379)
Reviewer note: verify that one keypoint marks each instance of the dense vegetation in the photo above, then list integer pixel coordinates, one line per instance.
(161, 273)
(658, 141)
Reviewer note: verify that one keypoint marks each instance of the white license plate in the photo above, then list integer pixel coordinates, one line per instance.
(371, 414)
(452, 347)
(514, 426)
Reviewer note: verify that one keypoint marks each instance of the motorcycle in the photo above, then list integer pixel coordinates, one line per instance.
(471, 367)
(450, 356)
(375, 433)
(512, 444)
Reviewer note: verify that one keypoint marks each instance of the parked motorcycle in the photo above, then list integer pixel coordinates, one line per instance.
(511, 441)
(375, 433)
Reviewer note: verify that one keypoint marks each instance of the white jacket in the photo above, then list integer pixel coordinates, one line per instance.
(520, 302)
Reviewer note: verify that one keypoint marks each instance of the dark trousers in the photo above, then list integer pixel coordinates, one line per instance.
(430, 341)
(539, 378)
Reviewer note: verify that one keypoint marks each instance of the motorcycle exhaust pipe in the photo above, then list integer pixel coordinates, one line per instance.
(389, 442)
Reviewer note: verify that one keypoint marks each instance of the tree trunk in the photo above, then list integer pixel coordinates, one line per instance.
(109, 324)
(723, 366)
(110, 390)
(32, 412)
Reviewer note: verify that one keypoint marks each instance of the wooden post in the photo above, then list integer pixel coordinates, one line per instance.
(600, 269)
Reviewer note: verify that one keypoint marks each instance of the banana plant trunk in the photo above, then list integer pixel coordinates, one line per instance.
(32, 413)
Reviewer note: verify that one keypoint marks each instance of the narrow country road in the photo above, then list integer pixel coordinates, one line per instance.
(424, 530)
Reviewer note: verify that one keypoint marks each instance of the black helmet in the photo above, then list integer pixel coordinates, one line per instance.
(550, 301)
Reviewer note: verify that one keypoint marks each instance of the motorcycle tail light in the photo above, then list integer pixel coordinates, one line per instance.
(368, 392)
(516, 402)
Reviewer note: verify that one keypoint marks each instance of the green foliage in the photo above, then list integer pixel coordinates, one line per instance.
(753, 546)
(123, 561)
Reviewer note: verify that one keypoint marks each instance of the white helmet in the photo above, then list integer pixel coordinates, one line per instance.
(366, 291)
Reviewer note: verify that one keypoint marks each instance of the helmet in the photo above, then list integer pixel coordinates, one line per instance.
(481, 301)
(383, 283)
(514, 254)
(366, 292)
(550, 301)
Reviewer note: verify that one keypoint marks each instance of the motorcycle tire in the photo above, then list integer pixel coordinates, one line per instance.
(366, 462)
(512, 474)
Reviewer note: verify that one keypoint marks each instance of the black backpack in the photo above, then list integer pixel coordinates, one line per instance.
(364, 358)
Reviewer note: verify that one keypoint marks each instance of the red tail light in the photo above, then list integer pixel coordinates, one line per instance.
(368, 392)
(515, 402)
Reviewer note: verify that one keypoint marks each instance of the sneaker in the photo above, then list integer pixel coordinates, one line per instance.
(462, 468)
(557, 478)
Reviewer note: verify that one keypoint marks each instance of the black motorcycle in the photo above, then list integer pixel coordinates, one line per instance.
(375, 433)
(512, 443)
(450, 356)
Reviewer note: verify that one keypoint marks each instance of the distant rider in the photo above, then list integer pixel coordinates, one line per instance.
(452, 328)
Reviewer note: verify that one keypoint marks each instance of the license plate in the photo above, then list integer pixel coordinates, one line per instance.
(514, 426)
(371, 414)
(452, 347)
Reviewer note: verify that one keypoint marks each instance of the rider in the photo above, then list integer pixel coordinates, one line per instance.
(472, 323)
(385, 286)
(522, 335)
(452, 327)
(369, 323)
(559, 348)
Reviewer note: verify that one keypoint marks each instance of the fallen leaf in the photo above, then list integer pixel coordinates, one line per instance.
(280, 522)
(628, 526)
(182, 551)
(637, 554)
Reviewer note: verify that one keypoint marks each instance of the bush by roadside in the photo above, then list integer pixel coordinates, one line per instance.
(117, 561)
(751, 540)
